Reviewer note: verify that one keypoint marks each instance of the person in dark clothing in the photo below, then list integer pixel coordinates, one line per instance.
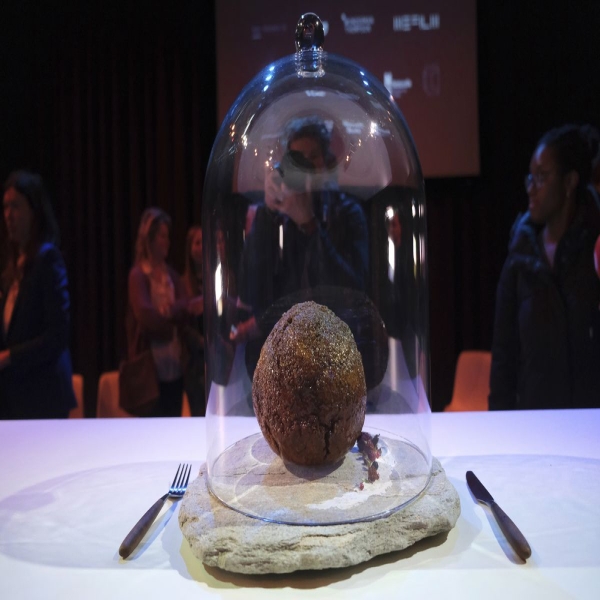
(35, 362)
(546, 349)
(306, 234)
(593, 138)
(308, 241)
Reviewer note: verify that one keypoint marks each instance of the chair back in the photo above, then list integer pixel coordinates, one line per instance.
(77, 412)
(471, 381)
(108, 398)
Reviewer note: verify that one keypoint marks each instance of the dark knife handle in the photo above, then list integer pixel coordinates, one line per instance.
(140, 529)
(511, 531)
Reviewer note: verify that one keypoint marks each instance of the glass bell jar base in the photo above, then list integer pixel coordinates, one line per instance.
(250, 478)
(314, 192)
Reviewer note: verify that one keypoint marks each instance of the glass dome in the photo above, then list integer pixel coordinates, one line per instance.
(314, 191)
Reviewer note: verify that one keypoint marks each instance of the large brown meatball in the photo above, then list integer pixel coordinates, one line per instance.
(309, 390)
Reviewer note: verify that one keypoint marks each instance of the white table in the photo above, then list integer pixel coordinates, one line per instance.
(70, 491)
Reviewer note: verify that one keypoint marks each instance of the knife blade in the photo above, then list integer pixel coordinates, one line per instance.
(509, 529)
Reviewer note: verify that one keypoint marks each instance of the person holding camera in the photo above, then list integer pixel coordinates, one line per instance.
(306, 235)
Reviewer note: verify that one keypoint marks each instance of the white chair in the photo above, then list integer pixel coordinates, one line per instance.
(471, 381)
(107, 405)
(77, 412)
(108, 398)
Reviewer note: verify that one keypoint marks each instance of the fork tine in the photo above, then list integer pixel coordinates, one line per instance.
(176, 476)
(187, 477)
(181, 476)
(180, 485)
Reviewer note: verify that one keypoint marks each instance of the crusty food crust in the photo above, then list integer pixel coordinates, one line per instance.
(309, 392)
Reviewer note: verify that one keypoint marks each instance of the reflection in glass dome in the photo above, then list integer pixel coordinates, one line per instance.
(314, 192)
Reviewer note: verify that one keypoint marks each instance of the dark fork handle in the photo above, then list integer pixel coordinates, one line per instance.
(140, 528)
(511, 531)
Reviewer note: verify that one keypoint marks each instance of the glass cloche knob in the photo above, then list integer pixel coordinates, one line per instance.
(309, 46)
(309, 33)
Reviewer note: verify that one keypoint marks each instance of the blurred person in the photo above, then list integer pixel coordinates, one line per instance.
(194, 377)
(597, 256)
(35, 362)
(593, 137)
(157, 310)
(324, 231)
(546, 351)
(308, 241)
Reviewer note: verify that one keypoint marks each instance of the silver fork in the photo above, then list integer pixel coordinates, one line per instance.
(139, 530)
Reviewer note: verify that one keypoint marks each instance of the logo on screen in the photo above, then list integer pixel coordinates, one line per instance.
(257, 32)
(353, 25)
(396, 87)
(420, 22)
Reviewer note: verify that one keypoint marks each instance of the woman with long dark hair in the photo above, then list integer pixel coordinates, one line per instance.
(35, 363)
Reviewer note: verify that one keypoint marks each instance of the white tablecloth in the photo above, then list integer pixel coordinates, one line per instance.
(70, 491)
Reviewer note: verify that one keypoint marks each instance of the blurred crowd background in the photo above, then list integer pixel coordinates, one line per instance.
(114, 104)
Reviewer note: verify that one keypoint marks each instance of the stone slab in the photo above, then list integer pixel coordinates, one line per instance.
(224, 538)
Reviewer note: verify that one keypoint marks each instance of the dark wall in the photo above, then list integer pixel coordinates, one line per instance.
(537, 69)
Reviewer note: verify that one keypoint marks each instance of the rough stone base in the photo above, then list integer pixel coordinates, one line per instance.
(221, 537)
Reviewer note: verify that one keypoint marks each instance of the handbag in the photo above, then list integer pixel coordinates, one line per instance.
(138, 384)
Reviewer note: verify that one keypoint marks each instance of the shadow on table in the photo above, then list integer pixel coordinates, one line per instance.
(80, 519)
(551, 499)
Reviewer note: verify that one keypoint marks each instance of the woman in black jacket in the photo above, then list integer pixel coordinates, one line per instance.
(546, 350)
(35, 363)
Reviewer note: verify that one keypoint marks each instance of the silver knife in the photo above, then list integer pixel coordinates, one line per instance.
(509, 529)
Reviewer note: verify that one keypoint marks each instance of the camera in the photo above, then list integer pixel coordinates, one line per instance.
(295, 170)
